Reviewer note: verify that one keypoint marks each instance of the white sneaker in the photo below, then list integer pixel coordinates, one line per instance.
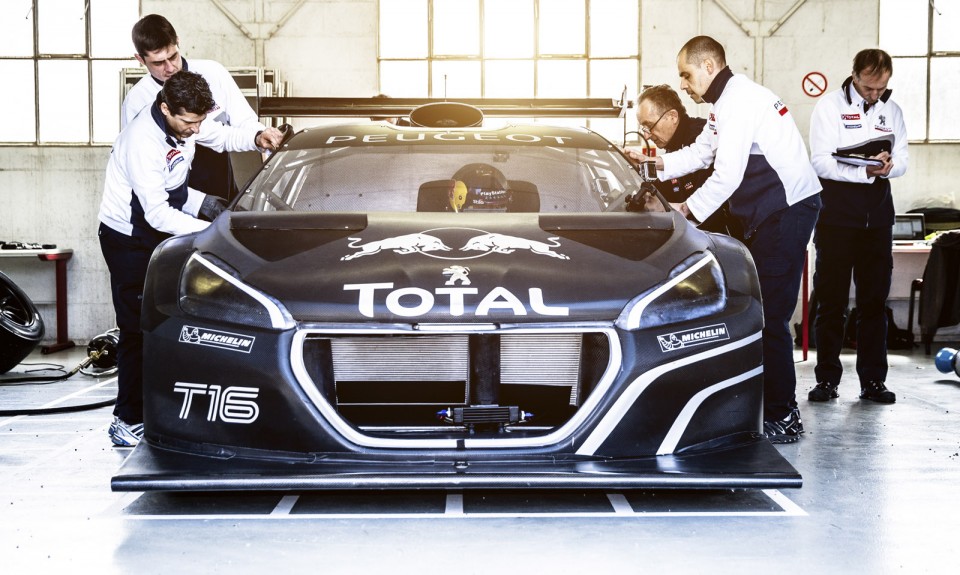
(123, 434)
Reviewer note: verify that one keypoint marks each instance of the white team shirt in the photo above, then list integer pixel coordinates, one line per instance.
(746, 119)
(835, 123)
(145, 161)
(232, 107)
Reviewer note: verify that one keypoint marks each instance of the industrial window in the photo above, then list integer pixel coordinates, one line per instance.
(511, 49)
(923, 36)
(60, 61)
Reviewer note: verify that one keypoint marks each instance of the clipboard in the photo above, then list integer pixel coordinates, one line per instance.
(856, 160)
(861, 154)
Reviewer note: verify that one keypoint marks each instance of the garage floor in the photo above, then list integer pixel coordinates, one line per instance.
(881, 494)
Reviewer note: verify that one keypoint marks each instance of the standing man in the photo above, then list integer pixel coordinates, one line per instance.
(762, 169)
(145, 200)
(664, 120)
(157, 46)
(855, 231)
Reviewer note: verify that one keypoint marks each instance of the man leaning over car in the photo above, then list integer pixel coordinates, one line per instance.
(762, 169)
(157, 48)
(146, 199)
(664, 120)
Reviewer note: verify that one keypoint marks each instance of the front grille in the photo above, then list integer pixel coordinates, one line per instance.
(426, 358)
(400, 380)
(548, 359)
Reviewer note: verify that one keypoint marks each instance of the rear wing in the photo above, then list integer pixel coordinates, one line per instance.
(436, 112)
(496, 107)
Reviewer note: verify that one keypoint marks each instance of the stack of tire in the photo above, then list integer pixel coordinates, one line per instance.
(21, 327)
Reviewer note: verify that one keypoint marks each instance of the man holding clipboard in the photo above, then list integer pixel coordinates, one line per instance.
(858, 141)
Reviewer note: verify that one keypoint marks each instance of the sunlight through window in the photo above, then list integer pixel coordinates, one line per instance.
(512, 49)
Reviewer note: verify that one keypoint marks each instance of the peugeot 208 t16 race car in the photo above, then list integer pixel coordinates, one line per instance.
(435, 307)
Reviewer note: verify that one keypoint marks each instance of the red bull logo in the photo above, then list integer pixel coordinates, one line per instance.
(427, 242)
(407, 244)
(503, 244)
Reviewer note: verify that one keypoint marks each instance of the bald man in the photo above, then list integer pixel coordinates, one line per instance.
(761, 168)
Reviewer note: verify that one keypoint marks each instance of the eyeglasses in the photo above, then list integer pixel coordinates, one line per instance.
(646, 131)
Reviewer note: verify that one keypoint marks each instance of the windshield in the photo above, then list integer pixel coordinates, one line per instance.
(452, 178)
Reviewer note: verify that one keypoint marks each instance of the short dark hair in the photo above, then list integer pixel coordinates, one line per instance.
(872, 61)
(187, 92)
(663, 98)
(151, 33)
(699, 48)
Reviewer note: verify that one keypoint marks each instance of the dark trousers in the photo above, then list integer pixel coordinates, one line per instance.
(867, 254)
(779, 247)
(127, 258)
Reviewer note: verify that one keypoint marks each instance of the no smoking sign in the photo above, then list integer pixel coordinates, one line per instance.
(814, 84)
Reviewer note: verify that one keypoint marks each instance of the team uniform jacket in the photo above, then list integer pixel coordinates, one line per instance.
(678, 189)
(850, 198)
(760, 163)
(145, 190)
(232, 108)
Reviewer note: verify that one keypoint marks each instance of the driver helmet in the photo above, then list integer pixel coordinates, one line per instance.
(484, 188)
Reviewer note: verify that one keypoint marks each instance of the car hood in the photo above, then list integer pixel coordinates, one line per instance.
(450, 268)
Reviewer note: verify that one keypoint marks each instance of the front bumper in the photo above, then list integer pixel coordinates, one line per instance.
(756, 465)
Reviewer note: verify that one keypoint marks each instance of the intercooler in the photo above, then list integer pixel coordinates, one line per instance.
(397, 380)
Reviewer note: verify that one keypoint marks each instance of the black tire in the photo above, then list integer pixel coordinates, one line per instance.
(21, 327)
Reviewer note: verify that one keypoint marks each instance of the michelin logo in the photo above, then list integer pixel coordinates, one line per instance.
(691, 337)
(213, 338)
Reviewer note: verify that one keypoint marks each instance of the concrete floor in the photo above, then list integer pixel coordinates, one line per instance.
(881, 494)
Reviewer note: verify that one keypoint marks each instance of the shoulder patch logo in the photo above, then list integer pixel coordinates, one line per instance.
(174, 157)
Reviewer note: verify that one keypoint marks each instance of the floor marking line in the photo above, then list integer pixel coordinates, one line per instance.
(120, 504)
(788, 506)
(474, 515)
(285, 505)
(56, 402)
(454, 504)
(620, 504)
(80, 392)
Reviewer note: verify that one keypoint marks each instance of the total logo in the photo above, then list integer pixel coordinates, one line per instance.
(234, 404)
(432, 243)
(416, 302)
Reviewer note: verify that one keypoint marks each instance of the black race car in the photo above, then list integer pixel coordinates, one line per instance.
(451, 307)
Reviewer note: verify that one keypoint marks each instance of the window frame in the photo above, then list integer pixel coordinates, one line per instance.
(435, 89)
(928, 58)
(88, 59)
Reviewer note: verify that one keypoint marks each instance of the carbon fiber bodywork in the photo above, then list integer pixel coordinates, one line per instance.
(328, 334)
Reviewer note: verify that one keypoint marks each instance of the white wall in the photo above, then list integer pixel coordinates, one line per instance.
(51, 195)
(329, 48)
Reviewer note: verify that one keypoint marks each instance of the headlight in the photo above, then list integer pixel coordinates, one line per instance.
(211, 292)
(695, 288)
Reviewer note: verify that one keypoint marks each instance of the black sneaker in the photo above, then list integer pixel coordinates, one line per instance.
(823, 392)
(795, 411)
(786, 430)
(877, 391)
